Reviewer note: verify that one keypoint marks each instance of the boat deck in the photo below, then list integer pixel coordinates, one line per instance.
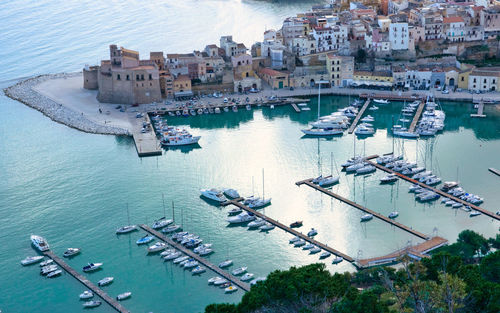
(358, 117)
(88, 284)
(418, 251)
(440, 192)
(146, 144)
(244, 286)
(416, 117)
(292, 231)
(384, 218)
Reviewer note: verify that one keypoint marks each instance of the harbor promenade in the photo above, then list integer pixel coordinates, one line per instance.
(292, 231)
(439, 192)
(384, 218)
(244, 286)
(87, 283)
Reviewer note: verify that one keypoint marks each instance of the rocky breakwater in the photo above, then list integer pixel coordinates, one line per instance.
(24, 92)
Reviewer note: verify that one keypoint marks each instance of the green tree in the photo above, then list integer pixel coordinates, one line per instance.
(221, 308)
(490, 267)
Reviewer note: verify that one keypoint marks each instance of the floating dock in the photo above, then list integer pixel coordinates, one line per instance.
(480, 110)
(295, 107)
(384, 218)
(244, 286)
(417, 252)
(440, 192)
(494, 171)
(237, 203)
(358, 117)
(96, 290)
(146, 143)
(416, 117)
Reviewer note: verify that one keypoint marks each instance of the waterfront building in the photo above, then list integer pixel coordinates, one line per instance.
(484, 79)
(463, 75)
(275, 79)
(375, 78)
(182, 87)
(340, 69)
(124, 78)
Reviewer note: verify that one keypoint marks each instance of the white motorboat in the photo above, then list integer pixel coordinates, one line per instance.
(161, 222)
(123, 296)
(299, 243)
(32, 260)
(225, 263)
(219, 281)
(258, 203)
(256, 280)
(231, 193)
(144, 240)
(327, 131)
(217, 110)
(337, 260)
(381, 101)
(171, 256)
(246, 277)
(235, 210)
(213, 279)
(266, 227)
(171, 229)
(91, 304)
(457, 205)
(39, 242)
(241, 218)
(248, 107)
(54, 274)
(167, 252)
(71, 252)
(393, 214)
(198, 270)
(325, 255)
(449, 185)
(239, 271)
(205, 251)
(87, 294)
(313, 232)
(126, 229)
(180, 140)
(405, 134)
(231, 289)
(302, 104)
(294, 239)
(105, 281)
(389, 179)
(307, 246)
(202, 247)
(373, 108)
(366, 217)
(366, 170)
(364, 131)
(328, 181)
(315, 250)
(256, 223)
(368, 119)
(46, 262)
(354, 167)
(213, 194)
(428, 196)
(191, 263)
(157, 247)
(92, 267)
(181, 259)
(48, 269)
(474, 213)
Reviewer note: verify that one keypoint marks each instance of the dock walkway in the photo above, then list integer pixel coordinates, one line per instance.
(96, 290)
(146, 143)
(418, 251)
(416, 117)
(440, 192)
(237, 203)
(494, 171)
(358, 117)
(295, 107)
(384, 218)
(480, 110)
(205, 262)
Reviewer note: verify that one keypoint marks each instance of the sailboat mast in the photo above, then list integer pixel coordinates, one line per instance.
(319, 97)
(253, 187)
(173, 212)
(263, 197)
(128, 216)
(163, 201)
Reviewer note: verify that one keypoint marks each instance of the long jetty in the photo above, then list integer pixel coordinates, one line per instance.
(384, 218)
(96, 290)
(295, 107)
(494, 171)
(358, 117)
(237, 203)
(440, 192)
(205, 262)
(146, 143)
(416, 117)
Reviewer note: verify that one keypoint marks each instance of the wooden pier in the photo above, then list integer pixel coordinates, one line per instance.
(88, 284)
(146, 143)
(494, 171)
(235, 280)
(384, 218)
(416, 117)
(480, 110)
(440, 192)
(358, 117)
(295, 107)
(292, 231)
(418, 252)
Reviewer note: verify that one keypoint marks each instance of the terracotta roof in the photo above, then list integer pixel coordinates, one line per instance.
(478, 8)
(485, 73)
(271, 72)
(453, 19)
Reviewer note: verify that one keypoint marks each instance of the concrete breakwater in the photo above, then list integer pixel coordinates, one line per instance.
(24, 92)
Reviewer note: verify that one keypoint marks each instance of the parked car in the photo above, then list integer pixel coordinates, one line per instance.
(446, 91)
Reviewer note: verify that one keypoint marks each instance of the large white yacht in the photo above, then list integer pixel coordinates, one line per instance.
(213, 194)
(241, 218)
(39, 242)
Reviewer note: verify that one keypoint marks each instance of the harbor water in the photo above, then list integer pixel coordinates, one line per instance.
(73, 188)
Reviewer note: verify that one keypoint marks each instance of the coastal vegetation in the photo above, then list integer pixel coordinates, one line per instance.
(462, 277)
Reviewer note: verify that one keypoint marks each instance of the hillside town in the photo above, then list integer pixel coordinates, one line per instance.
(387, 44)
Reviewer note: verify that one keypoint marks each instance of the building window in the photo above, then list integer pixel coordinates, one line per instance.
(463, 78)
(474, 81)
(142, 76)
(118, 77)
(128, 77)
(485, 80)
(150, 77)
(137, 77)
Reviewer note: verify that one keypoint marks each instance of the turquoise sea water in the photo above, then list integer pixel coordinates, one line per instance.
(73, 188)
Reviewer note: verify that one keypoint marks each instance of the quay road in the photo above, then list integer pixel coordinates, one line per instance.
(440, 192)
(309, 183)
(358, 117)
(237, 203)
(96, 290)
(205, 262)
